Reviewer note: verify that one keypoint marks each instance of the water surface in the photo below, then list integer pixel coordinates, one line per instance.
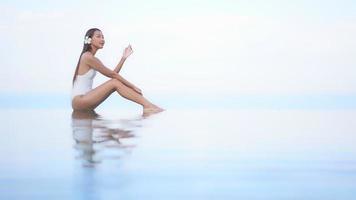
(178, 154)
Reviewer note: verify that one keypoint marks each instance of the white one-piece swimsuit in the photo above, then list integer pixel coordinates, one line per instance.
(83, 83)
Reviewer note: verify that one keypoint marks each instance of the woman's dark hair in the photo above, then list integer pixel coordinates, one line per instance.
(86, 47)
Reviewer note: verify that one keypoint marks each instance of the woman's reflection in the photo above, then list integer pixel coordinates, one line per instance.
(95, 140)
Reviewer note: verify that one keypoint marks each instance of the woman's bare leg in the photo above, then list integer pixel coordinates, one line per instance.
(95, 97)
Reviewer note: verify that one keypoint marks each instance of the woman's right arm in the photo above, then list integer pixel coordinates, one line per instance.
(96, 64)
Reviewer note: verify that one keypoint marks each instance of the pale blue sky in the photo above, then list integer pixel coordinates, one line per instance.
(325, 8)
(259, 47)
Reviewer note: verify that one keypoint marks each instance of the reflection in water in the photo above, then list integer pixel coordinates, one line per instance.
(97, 139)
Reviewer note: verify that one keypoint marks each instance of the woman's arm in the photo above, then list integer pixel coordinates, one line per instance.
(118, 66)
(96, 64)
(127, 52)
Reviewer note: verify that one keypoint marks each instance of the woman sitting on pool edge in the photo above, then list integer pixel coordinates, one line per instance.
(86, 98)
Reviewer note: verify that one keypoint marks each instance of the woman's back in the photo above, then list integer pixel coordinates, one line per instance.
(83, 83)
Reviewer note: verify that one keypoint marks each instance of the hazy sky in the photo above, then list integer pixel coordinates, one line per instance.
(269, 47)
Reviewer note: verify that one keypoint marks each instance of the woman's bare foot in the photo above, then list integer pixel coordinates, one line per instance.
(152, 109)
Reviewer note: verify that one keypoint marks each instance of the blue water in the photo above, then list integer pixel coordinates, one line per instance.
(255, 150)
(232, 101)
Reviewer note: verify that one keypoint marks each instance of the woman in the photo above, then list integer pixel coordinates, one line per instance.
(86, 98)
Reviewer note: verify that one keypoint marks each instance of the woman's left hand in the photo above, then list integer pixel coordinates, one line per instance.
(127, 52)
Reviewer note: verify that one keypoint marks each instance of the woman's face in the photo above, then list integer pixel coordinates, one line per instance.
(98, 40)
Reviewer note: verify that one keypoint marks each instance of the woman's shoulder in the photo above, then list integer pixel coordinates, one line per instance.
(90, 60)
(87, 55)
(85, 60)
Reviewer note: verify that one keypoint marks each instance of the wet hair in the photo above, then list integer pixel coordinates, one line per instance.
(86, 47)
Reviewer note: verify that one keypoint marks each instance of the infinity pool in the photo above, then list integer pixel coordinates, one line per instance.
(178, 154)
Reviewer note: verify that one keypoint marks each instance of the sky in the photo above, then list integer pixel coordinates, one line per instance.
(196, 47)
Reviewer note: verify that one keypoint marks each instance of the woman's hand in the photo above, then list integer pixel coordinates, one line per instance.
(127, 52)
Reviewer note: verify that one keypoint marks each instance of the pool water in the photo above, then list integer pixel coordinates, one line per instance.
(178, 154)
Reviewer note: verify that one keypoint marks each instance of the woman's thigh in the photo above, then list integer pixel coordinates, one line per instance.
(94, 97)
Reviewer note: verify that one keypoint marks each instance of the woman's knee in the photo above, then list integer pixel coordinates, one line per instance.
(116, 83)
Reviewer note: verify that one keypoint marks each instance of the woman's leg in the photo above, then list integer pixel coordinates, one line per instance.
(96, 96)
